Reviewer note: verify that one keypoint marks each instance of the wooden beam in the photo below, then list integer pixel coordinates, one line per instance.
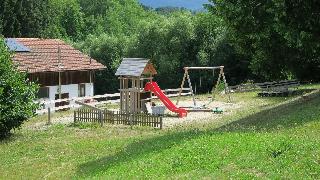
(182, 84)
(203, 68)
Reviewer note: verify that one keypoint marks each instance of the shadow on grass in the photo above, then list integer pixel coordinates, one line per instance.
(10, 138)
(285, 116)
(136, 150)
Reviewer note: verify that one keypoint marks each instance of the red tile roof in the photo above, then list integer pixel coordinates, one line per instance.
(44, 57)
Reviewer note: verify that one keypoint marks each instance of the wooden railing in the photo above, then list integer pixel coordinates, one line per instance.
(244, 88)
(45, 105)
(264, 85)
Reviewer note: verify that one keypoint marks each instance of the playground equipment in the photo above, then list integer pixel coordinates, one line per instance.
(153, 87)
(187, 76)
(134, 74)
(217, 110)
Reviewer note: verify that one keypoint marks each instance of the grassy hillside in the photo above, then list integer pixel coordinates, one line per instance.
(267, 138)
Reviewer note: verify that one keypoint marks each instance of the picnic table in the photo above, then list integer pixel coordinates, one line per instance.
(281, 88)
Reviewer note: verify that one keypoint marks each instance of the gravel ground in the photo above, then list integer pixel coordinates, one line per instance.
(171, 119)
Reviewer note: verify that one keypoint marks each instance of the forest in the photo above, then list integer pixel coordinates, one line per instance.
(256, 40)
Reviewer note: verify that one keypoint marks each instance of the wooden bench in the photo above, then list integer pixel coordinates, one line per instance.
(281, 88)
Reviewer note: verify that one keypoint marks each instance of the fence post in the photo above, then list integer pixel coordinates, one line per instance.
(131, 119)
(49, 116)
(100, 118)
(74, 117)
(161, 121)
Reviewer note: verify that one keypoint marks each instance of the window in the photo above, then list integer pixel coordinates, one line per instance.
(43, 92)
(82, 90)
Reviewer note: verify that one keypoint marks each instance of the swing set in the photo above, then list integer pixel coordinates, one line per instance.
(221, 77)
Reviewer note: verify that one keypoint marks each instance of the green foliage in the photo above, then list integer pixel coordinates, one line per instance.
(66, 20)
(111, 30)
(16, 94)
(279, 37)
(171, 41)
(260, 40)
(168, 10)
(23, 18)
(109, 50)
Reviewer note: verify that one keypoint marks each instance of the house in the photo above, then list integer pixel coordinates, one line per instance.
(60, 70)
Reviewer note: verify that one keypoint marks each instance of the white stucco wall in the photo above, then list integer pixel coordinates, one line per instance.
(89, 89)
(72, 89)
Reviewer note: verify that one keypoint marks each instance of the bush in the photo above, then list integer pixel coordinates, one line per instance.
(16, 94)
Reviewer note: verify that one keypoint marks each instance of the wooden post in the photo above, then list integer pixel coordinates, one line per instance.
(182, 84)
(126, 85)
(74, 117)
(139, 98)
(191, 90)
(132, 96)
(49, 116)
(151, 94)
(161, 122)
(226, 86)
(100, 118)
(130, 120)
(59, 67)
(218, 82)
(121, 94)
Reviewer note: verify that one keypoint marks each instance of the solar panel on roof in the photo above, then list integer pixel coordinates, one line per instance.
(16, 46)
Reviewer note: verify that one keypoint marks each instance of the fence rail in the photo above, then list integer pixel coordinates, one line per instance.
(104, 116)
(261, 86)
(70, 103)
(244, 88)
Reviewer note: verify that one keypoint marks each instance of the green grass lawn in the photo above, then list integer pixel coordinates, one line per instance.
(269, 138)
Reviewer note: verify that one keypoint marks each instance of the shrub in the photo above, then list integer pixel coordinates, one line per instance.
(16, 94)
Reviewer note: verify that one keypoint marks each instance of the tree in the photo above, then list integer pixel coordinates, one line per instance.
(16, 94)
(109, 50)
(280, 36)
(23, 18)
(215, 48)
(72, 20)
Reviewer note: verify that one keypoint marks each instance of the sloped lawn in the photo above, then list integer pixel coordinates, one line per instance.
(269, 138)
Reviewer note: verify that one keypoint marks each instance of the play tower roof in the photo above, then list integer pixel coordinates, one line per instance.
(135, 67)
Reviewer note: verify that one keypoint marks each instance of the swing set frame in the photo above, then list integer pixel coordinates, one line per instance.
(187, 76)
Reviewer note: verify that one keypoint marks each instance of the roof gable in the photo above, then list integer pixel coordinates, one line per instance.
(135, 67)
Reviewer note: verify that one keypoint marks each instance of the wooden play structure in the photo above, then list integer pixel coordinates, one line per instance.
(186, 76)
(137, 87)
(133, 74)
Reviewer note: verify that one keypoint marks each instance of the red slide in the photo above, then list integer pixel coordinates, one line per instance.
(153, 86)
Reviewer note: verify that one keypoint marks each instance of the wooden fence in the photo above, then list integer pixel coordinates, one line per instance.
(244, 88)
(261, 86)
(111, 117)
(94, 100)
